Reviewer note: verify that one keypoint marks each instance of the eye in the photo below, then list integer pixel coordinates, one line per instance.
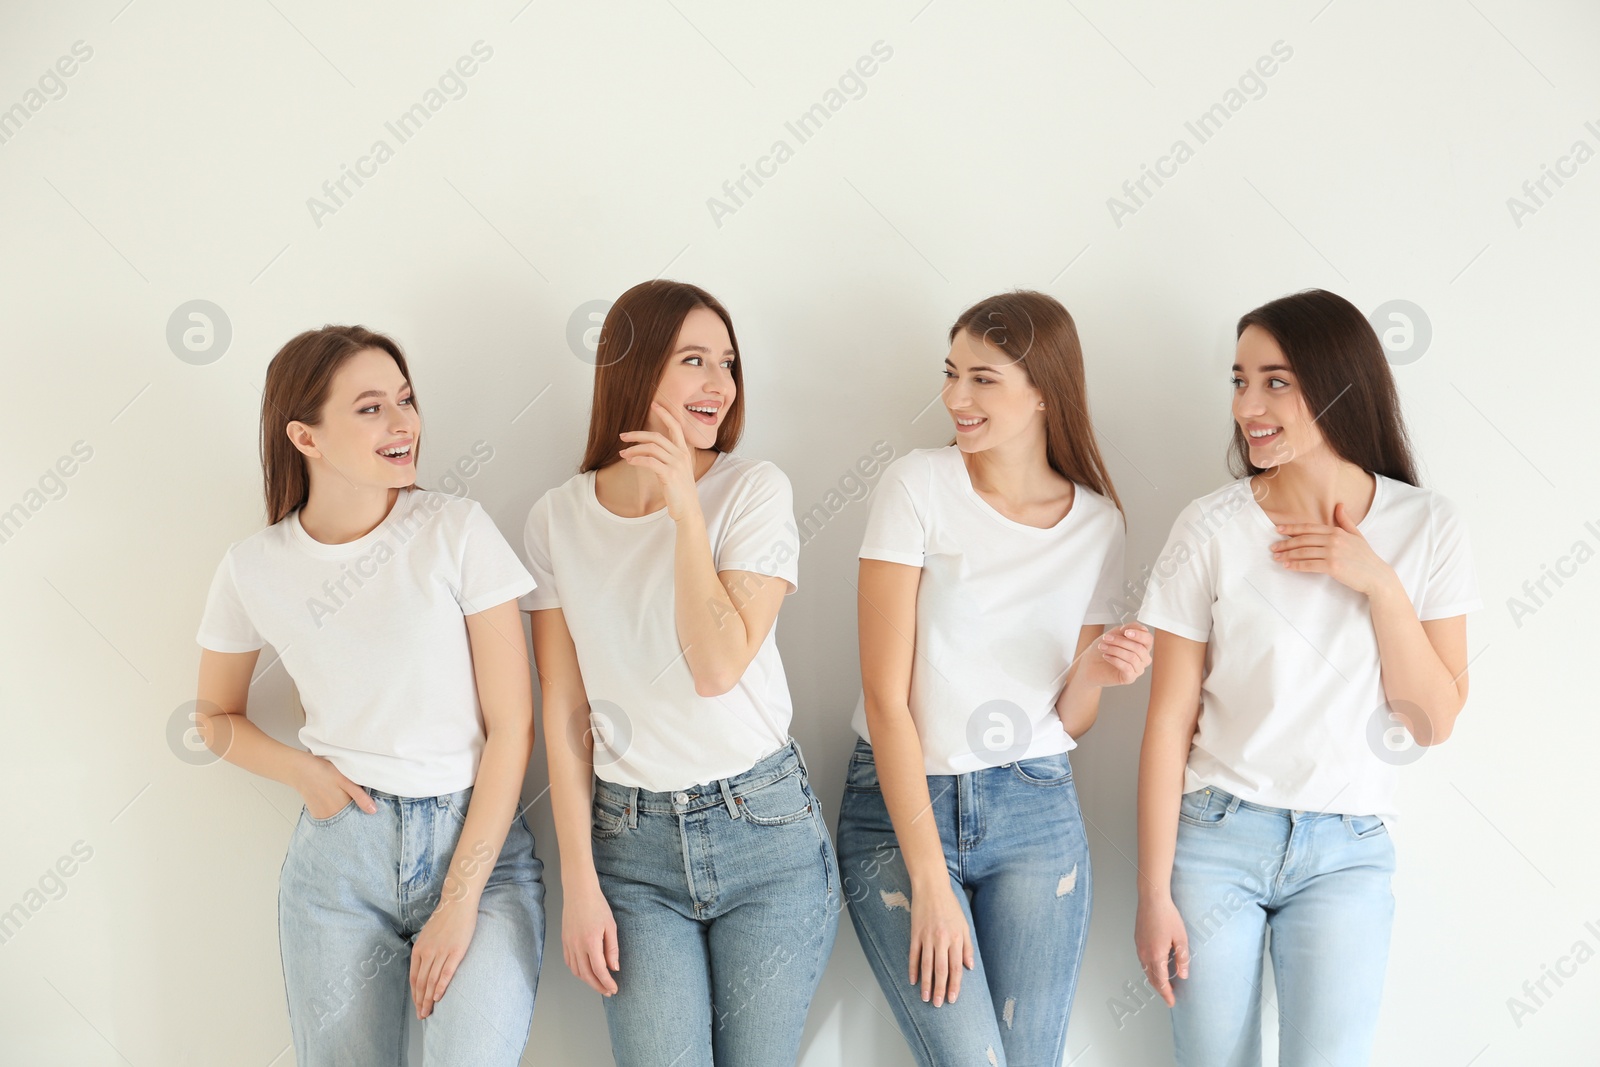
(982, 379)
(1235, 381)
(728, 362)
(1278, 381)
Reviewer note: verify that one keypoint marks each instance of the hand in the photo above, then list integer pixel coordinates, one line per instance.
(1159, 938)
(1124, 653)
(589, 939)
(1340, 550)
(326, 791)
(663, 451)
(941, 944)
(440, 946)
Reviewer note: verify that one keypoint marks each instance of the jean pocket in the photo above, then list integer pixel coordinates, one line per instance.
(1044, 770)
(785, 801)
(457, 803)
(331, 819)
(1204, 807)
(605, 822)
(1364, 826)
(861, 776)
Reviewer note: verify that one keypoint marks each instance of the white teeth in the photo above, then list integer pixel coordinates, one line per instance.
(702, 411)
(395, 452)
(1262, 433)
(968, 422)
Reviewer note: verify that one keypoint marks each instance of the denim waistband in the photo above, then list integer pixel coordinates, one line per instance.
(720, 792)
(378, 794)
(1234, 802)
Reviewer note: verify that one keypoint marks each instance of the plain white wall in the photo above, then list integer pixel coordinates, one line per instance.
(176, 163)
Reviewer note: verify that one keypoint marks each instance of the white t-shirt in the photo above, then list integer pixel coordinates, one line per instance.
(999, 607)
(612, 578)
(372, 633)
(1292, 708)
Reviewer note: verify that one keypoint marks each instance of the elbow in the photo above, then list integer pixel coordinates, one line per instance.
(714, 685)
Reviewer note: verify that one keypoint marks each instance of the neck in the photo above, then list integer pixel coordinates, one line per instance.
(1310, 486)
(335, 517)
(638, 489)
(1018, 470)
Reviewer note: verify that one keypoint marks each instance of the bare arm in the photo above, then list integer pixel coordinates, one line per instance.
(1079, 703)
(505, 693)
(223, 692)
(941, 944)
(588, 930)
(1168, 731)
(1424, 666)
(722, 618)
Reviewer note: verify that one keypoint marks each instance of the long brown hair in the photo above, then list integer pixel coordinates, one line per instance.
(1339, 363)
(635, 341)
(298, 380)
(1038, 334)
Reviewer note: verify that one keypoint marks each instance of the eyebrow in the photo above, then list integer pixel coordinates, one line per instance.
(376, 392)
(1269, 366)
(991, 370)
(702, 348)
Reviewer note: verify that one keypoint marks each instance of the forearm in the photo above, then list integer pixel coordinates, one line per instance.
(897, 754)
(570, 752)
(496, 794)
(1163, 755)
(242, 743)
(1413, 674)
(711, 631)
(1079, 703)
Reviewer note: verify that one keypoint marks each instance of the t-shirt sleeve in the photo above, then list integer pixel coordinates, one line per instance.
(536, 549)
(1452, 587)
(1182, 586)
(897, 525)
(490, 572)
(226, 625)
(1104, 609)
(762, 537)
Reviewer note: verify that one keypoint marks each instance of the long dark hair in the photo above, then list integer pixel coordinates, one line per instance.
(635, 341)
(1339, 363)
(1038, 334)
(298, 380)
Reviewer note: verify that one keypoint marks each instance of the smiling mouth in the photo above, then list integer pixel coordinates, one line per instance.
(706, 414)
(398, 455)
(1261, 436)
(966, 424)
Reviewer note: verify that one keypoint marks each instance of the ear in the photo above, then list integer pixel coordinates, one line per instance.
(300, 436)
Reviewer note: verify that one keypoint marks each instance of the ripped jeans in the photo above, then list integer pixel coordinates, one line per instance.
(1018, 857)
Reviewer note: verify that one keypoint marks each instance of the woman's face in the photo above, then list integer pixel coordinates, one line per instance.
(989, 397)
(1268, 405)
(369, 429)
(697, 383)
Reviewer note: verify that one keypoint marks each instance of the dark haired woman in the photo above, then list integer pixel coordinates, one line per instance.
(393, 609)
(1306, 614)
(700, 891)
(989, 572)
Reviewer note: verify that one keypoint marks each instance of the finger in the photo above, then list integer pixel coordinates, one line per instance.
(1292, 529)
(613, 952)
(1181, 954)
(597, 965)
(914, 960)
(362, 798)
(447, 972)
(1157, 974)
(954, 979)
(431, 985)
(419, 963)
(941, 974)
(674, 427)
(927, 972)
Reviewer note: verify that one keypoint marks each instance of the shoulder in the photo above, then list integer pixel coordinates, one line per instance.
(260, 546)
(1216, 508)
(1417, 505)
(746, 475)
(917, 467)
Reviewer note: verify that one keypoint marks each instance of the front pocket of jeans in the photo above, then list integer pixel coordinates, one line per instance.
(784, 801)
(331, 819)
(1202, 808)
(1365, 826)
(1043, 770)
(606, 823)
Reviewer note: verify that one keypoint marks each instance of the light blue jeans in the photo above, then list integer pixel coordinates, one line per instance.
(1018, 857)
(726, 898)
(354, 892)
(1320, 883)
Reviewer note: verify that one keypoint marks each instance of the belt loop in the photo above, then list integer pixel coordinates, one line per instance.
(801, 757)
(727, 798)
(633, 808)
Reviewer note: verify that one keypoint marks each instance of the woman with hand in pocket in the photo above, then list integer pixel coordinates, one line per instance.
(1308, 615)
(700, 890)
(990, 570)
(411, 875)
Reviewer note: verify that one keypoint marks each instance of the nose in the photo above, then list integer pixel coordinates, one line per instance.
(1247, 402)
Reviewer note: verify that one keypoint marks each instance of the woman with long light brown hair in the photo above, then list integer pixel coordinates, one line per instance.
(701, 894)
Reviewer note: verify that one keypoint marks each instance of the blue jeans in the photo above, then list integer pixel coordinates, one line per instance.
(1320, 883)
(354, 892)
(726, 899)
(1018, 858)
